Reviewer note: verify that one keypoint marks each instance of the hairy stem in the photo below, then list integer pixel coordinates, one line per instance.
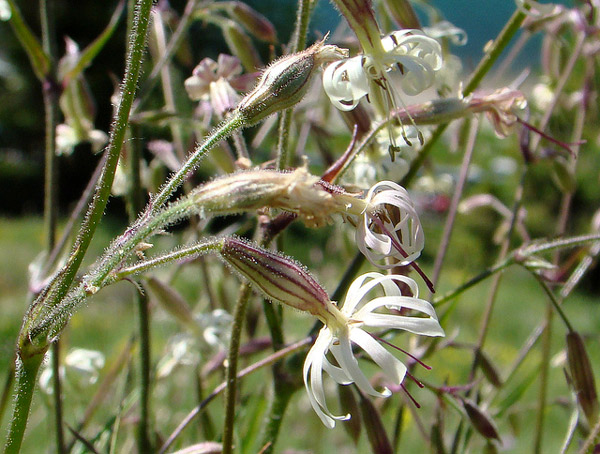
(285, 118)
(26, 372)
(232, 358)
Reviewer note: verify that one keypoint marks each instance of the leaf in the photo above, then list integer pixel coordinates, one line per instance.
(40, 61)
(349, 405)
(380, 443)
(90, 52)
(516, 394)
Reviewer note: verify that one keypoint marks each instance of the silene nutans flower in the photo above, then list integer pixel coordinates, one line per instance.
(407, 58)
(284, 280)
(387, 223)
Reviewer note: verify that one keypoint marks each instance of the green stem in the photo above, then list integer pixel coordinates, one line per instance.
(232, 360)
(59, 287)
(285, 119)
(554, 302)
(51, 94)
(144, 442)
(442, 299)
(57, 396)
(27, 369)
(543, 391)
(187, 252)
(29, 354)
(5, 396)
(222, 131)
(283, 393)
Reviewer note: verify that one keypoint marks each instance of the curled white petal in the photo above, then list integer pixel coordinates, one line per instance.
(345, 82)
(419, 55)
(313, 378)
(406, 230)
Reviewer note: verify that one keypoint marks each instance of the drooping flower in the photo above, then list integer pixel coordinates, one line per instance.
(390, 226)
(348, 328)
(407, 59)
(282, 279)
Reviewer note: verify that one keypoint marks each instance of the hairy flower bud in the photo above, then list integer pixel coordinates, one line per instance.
(286, 81)
(297, 191)
(279, 277)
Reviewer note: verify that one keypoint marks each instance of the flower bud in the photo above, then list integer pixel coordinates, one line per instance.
(241, 45)
(279, 277)
(582, 375)
(286, 81)
(403, 13)
(253, 21)
(298, 192)
(480, 421)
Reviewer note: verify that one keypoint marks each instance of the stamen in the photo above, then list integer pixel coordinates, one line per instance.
(404, 253)
(416, 404)
(414, 358)
(417, 382)
(564, 145)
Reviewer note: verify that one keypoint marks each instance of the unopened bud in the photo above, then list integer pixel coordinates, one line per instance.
(241, 45)
(256, 24)
(286, 81)
(298, 192)
(582, 375)
(279, 277)
(480, 421)
(403, 13)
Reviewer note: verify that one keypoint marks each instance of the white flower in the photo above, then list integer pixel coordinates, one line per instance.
(390, 226)
(5, 11)
(348, 327)
(411, 53)
(85, 365)
(218, 82)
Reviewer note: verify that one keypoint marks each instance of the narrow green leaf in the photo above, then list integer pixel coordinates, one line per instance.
(349, 405)
(40, 62)
(515, 395)
(90, 52)
(378, 439)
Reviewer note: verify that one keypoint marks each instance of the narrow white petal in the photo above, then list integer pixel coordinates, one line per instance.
(392, 367)
(337, 373)
(343, 354)
(415, 325)
(313, 380)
